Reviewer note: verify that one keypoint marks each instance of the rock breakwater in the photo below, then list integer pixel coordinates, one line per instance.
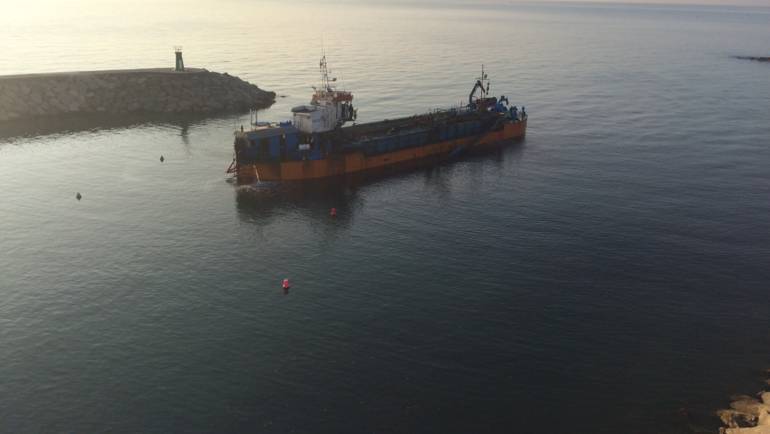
(127, 91)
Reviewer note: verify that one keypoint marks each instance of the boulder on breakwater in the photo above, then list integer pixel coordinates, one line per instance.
(127, 91)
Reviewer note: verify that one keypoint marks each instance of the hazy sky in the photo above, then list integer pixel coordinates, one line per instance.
(29, 4)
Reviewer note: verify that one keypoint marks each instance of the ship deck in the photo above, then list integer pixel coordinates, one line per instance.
(405, 124)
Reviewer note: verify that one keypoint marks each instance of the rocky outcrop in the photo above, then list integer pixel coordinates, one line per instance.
(127, 91)
(747, 415)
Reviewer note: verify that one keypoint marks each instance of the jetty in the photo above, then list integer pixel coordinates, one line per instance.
(137, 91)
(754, 58)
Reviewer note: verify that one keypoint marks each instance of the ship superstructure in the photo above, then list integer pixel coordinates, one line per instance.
(328, 109)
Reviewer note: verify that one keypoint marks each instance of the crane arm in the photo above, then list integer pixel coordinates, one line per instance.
(476, 86)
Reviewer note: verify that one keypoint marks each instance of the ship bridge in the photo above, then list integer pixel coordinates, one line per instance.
(329, 108)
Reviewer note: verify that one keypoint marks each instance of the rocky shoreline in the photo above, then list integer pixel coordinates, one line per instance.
(147, 91)
(747, 414)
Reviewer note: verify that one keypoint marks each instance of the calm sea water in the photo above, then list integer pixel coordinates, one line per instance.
(604, 276)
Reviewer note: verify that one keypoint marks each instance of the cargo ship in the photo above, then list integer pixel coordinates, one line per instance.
(316, 143)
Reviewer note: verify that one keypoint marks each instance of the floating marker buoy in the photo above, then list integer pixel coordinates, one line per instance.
(162, 159)
(285, 284)
(78, 196)
(333, 212)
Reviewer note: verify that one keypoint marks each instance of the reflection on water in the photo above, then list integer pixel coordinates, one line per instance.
(70, 124)
(184, 132)
(263, 201)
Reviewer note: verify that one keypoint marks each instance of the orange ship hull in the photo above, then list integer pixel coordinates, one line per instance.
(356, 162)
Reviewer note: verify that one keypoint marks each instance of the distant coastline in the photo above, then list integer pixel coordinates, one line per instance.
(137, 91)
(758, 59)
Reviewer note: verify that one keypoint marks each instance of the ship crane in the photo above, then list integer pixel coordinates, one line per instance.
(482, 84)
(477, 86)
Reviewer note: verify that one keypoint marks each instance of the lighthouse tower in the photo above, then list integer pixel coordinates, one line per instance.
(179, 61)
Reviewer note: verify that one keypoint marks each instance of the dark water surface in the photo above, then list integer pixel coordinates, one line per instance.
(598, 277)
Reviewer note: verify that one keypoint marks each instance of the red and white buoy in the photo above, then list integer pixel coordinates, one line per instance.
(333, 212)
(285, 284)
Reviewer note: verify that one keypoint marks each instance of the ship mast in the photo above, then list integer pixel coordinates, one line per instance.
(484, 80)
(325, 79)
